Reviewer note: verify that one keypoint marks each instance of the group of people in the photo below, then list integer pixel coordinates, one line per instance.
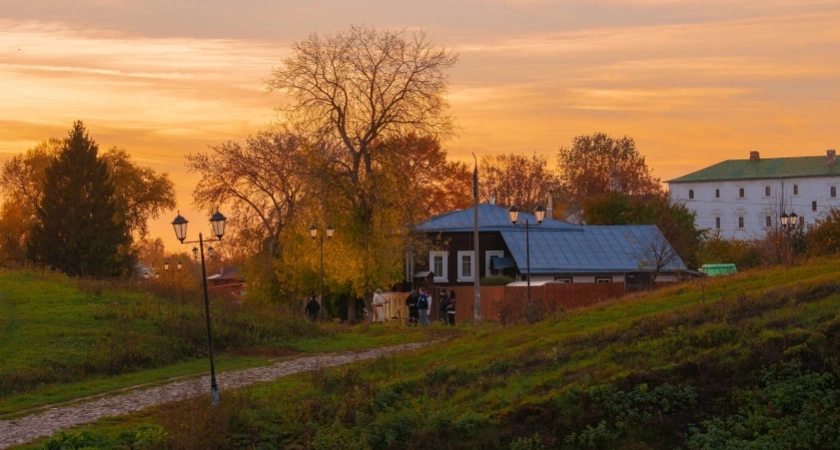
(420, 303)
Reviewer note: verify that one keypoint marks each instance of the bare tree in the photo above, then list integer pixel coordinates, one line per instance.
(262, 182)
(654, 254)
(517, 180)
(352, 91)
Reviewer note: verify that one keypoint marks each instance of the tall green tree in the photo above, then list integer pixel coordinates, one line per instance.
(79, 228)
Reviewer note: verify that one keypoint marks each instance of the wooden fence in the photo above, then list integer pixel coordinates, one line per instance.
(506, 304)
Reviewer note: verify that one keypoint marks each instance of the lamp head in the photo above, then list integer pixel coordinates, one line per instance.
(217, 220)
(313, 231)
(539, 213)
(513, 214)
(180, 225)
(330, 231)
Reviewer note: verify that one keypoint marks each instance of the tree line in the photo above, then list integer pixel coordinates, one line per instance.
(69, 208)
(358, 147)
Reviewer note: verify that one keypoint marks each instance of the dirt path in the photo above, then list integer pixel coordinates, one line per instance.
(28, 428)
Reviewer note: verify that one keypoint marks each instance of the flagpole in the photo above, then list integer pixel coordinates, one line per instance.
(476, 266)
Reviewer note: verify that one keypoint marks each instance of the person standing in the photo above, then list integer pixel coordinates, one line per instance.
(312, 309)
(450, 308)
(378, 306)
(413, 314)
(444, 301)
(424, 303)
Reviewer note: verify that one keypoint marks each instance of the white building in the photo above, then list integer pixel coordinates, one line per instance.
(744, 198)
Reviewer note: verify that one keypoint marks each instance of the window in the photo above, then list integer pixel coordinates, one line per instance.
(766, 191)
(603, 279)
(795, 189)
(768, 222)
(741, 192)
(740, 222)
(488, 258)
(833, 192)
(717, 193)
(563, 280)
(466, 268)
(717, 223)
(691, 194)
(813, 206)
(438, 263)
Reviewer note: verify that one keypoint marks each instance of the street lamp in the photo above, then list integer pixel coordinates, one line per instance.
(788, 224)
(539, 215)
(217, 220)
(313, 232)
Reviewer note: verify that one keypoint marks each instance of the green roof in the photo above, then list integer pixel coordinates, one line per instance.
(744, 169)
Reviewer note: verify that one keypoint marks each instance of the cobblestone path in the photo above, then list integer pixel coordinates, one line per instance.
(28, 428)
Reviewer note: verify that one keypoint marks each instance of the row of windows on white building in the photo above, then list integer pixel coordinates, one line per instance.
(832, 192)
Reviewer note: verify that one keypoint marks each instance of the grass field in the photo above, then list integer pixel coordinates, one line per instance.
(62, 339)
(748, 361)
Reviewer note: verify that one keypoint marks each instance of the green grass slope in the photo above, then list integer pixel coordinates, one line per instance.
(745, 362)
(62, 339)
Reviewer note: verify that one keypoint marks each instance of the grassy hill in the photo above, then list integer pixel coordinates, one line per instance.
(749, 361)
(62, 339)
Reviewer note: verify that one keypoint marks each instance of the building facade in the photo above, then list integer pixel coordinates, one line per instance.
(744, 199)
(553, 251)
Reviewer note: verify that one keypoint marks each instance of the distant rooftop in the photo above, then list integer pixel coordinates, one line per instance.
(757, 168)
(490, 217)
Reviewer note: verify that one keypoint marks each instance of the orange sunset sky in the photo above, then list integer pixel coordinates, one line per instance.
(692, 81)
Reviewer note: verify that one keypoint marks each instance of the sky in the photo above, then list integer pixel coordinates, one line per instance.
(694, 82)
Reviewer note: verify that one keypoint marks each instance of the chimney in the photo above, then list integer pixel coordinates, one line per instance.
(754, 156)
(830, 157)
(549, 212)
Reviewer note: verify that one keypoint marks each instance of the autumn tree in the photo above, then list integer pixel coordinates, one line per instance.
(586, 167)
(140, 192)
(263, 184)
(79, 228)
(823, 238)
(517, 180)
(352, 92)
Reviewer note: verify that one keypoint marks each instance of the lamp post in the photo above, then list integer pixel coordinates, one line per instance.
(539, 215)
(313, 232)
(217, 220)
(788, 224)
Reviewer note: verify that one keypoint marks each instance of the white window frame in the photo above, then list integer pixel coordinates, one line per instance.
(461, 256)
(489, 254)
(440, 277)
(603, 279)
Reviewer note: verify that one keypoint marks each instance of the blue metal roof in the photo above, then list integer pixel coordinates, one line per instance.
(558, 246)
(596, 249)
(490, 218)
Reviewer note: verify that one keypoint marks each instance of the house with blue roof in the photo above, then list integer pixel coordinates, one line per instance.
(559, 251)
